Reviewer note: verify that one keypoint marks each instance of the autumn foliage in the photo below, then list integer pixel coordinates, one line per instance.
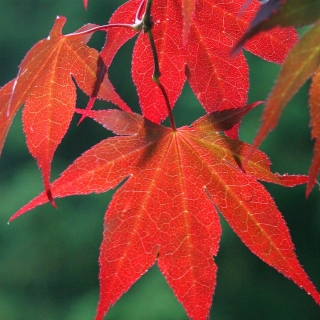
(301, 63)
(175, 179)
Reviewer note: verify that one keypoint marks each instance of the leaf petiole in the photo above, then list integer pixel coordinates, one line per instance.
(136, 26)
(147, 28)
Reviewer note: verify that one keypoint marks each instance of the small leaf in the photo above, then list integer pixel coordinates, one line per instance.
(300, 64)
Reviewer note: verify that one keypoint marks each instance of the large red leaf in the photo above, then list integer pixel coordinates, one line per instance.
(166, 209)
(193, 41)
(44, 83)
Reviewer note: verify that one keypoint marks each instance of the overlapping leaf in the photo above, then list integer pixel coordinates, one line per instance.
(193, 42)
(166, 210)
(301, 62)
(45, 85)
(281, 13)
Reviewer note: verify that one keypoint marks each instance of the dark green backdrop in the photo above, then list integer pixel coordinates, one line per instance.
(48, 257)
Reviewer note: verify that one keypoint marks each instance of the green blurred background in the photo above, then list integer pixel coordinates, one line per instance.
(48, 257)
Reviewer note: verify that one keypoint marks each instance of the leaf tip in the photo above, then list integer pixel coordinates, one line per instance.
(50, 198)
(310, 186)
(237, 48)
(16, 215)
(56, 31)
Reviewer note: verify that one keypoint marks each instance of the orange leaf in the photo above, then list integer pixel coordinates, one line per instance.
(44, 83)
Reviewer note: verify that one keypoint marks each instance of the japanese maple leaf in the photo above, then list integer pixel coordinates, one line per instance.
(193, 40)
(301, 63)
(45, 85)
(166, 210)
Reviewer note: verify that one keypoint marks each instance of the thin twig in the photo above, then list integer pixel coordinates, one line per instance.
(147, 28)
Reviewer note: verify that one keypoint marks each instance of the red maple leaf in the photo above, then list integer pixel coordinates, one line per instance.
(166, 211)
(175, 180)
(45, 85)
(194, 43)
